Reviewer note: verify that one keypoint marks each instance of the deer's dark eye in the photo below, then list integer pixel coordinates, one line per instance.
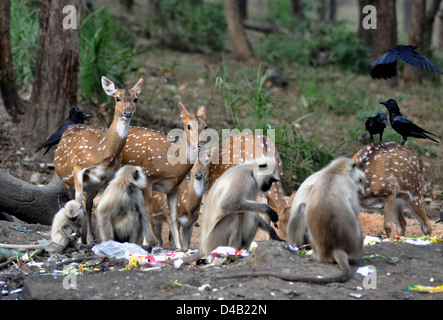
(135, 100)
(189, 127)
(117, 99)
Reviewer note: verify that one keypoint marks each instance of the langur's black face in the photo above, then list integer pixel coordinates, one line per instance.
(267, 184)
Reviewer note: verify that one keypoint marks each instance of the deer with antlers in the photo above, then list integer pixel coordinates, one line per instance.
(189, 199)
(244, 147)
(166, 161)
(88, 156)
(395, 178)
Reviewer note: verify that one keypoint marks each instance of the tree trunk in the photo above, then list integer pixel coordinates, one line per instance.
(30, 203)
(297, 8)
(364, 34)
(55, 85)
(332, 10)
(407, 6)
(440, 31)
(13, 104)
(415, 38)
(243, 7)
(429, 25)
(385, 36)
(237, 32)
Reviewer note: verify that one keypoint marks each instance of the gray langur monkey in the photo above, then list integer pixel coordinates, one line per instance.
(230, 214)
(67, 224)
(297, 230)
(332, 210)
(65, 230)
(121, 214)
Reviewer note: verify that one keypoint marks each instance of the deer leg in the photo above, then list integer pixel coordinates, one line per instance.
(419, 211)
(173, 217)
(388, 214)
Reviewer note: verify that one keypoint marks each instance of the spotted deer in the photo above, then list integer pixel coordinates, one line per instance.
(189, 199)
(244, 147)
(166, 161)
(88, 156)
(395, 178)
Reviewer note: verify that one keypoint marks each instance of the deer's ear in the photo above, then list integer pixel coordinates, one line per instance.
(108, 86)
(183, 112)
(138, 86)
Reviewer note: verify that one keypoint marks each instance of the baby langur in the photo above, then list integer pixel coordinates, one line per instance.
(121, 210)
(65, 230)
(332, 211)
(67, 224)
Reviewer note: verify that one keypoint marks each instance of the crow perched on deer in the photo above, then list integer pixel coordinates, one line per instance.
(403, 126)
(75, 117)
(376, 125)
(386, 66)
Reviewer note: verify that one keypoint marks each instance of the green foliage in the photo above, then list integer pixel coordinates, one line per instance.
(311, 42)
(24, 38)
(251, 106)
(105, 50)
(198, 28)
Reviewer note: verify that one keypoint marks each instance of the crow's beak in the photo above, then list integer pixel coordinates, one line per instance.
(386, 123)
(384, 102)
(86, 116)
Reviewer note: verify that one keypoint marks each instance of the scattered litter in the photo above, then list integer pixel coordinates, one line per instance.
(21, 228)
(150, 261)
(118, 250)
(425, 289)
(370, 240)
(389, 259)
(356, 295)
(419, 241)
(204, 287)
(365, 271)
(304, 249)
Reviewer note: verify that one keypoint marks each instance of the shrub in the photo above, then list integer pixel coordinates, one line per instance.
(198, 28)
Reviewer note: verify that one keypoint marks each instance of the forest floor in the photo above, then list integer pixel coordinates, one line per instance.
(171, 76)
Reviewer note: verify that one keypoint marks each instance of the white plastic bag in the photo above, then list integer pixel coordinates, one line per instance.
(118, 250)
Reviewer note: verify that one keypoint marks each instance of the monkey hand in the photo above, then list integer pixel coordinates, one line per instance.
(273, 215)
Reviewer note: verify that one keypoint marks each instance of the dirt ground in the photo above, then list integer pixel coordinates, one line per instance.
(398, 265)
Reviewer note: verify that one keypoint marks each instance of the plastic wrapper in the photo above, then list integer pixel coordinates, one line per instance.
(150, 261)
(118, 250)
(425, 289)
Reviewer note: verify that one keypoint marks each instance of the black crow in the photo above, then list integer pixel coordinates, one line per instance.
(385, 66)
(75, 117)
(440, 219)
(402, 125)
(376, 125)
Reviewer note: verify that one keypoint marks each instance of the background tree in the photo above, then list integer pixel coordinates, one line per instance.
(385, 36)
(13, 104)
(416, 37)
(237, 32)
(55, 85)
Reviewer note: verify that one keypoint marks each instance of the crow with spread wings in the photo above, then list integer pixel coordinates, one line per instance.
(386, 66)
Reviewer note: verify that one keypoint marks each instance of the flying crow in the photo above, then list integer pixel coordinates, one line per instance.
(403, 126)
(75, 117)
(376, 125)
(385, 66)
